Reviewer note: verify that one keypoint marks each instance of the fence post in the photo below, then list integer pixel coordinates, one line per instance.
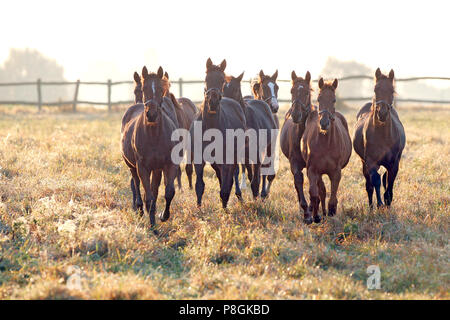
(75, 97)
(180, 87)
(39, 92)
(109, 95)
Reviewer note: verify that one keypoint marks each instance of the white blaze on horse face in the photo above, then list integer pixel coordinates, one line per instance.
(274, 100)
(153, 88)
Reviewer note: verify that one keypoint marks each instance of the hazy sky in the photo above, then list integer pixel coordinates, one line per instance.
(100, 39)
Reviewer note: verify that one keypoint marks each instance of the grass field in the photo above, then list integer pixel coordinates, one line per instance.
(67, 229)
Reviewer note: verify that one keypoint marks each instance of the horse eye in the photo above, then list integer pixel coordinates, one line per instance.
(334, 100)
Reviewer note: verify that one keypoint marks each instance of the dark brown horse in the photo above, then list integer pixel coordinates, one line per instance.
(147, 146)
(258, 117)
(292, 131)
(266, 89)
(218, 113)
(380, 138)
(326, 149)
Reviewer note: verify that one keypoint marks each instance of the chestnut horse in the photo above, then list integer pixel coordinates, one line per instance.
(185, 111)
(220, 113)
(326, 149)
(147, 146)
(258, 117)
(380, 138)
(266, 89)
(292, 131)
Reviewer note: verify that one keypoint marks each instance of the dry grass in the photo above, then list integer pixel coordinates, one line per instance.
(66, 203)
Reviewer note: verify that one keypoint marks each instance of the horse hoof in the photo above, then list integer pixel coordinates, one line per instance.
(239, 196)
(331, 211)
(317, 219)
(164, 216)
(155, 232)
(308, 220)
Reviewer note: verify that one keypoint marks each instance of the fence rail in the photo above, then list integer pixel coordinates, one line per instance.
(180, 82)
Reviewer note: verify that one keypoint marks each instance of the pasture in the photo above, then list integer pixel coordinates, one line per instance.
(66, 208)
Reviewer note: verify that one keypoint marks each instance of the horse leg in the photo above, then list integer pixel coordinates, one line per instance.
(189, 171)
(256, 180)
(179, 177)
(199, 183)
(298, 182)
(322, 195)
(227, 183)
(249, 172)
(369, 185)
(313, 178)
(136, 189)
(376, 182)
(133, 190)
(169, 177)
(156, 181)
(270, 179)
(391, 175)
(263, 188)
(144, 176)
(218, 174)
(335, 178)
(237, 188)
(243, 185)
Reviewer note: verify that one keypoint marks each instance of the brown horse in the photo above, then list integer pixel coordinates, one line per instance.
(258, 117)
(147, 146)
(326, 149)
(266, 89)
(219, 113)
(292, 131)
(380, 138)
(186, 113)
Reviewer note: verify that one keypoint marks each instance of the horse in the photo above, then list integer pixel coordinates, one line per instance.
(147, 146)
(258, 117)
(379, 139)
(218, 113)
(186, 112)
(326, 148)
(293, 129)
(266, 89)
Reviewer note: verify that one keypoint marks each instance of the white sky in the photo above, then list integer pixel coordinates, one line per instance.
(95, 40)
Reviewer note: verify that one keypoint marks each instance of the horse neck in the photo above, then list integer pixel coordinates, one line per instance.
(385, 128)
(208, 120)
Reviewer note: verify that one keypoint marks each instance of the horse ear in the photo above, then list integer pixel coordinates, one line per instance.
(308, 77)
(255, 89)
(335, 83)
(391, 74)
(208, 64)
(377, 73)
(166, 75)
(136, 77)
(144, 72)
(223, 65)
(321, 83)
(293, 75)
(261, 74)
(275, 75)
(160, 72)
(240, 76)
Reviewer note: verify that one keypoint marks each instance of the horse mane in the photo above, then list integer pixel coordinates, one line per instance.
(214, 68)
(328, 85)
(261, 80)
(228, 78)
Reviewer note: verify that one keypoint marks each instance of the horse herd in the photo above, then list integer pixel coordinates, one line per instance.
(312, 137)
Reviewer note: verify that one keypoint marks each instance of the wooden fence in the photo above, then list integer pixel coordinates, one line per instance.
(180, 82)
